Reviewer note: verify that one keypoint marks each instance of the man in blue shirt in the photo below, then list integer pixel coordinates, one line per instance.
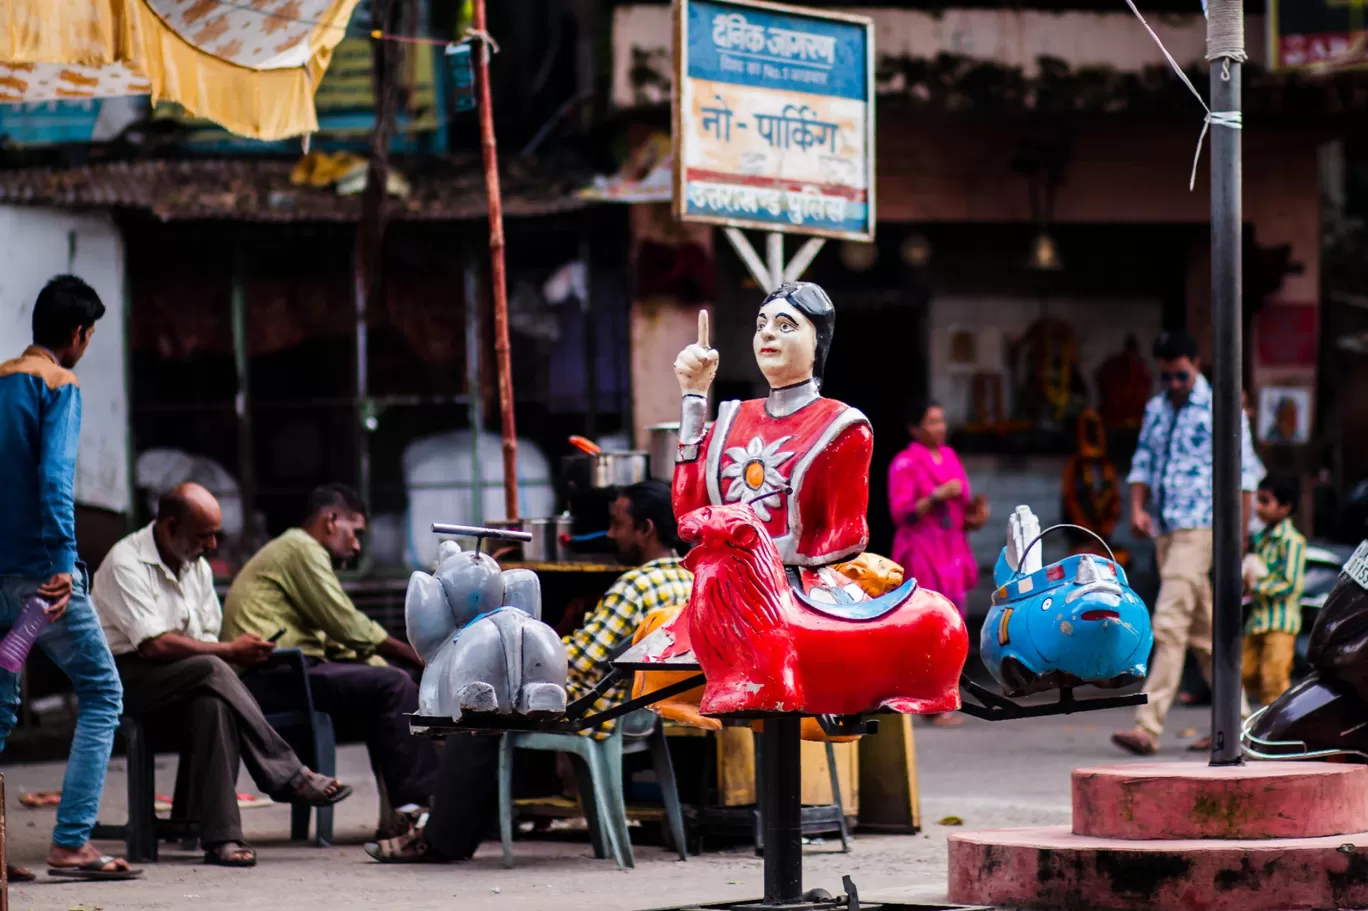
(1170, 499)
(40, 426)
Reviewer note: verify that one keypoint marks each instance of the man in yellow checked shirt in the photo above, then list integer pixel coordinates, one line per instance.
(644, 533)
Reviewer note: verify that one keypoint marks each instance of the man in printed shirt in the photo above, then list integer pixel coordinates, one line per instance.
(1271, 633)
(40, 426)
(1170, 494)
(644, 533)
(291, 584)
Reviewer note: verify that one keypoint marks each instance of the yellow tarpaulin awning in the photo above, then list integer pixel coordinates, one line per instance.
(251, 66)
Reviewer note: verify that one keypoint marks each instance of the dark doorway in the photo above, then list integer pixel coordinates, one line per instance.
(874, 366)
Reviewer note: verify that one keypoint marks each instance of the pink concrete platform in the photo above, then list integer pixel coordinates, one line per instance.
(1193, 800)
(1052, 868)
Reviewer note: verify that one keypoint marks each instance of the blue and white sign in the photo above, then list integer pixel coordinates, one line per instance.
(774, 118)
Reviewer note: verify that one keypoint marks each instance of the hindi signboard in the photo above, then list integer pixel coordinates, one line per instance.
(1305, 33)
(774, 118)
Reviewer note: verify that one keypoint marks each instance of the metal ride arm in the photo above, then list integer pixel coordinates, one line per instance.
(479, 533)
(989, 707)
(994, 707)
(624, 708)
(573, 722)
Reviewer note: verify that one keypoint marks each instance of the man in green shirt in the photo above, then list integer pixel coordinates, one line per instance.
(291, 585)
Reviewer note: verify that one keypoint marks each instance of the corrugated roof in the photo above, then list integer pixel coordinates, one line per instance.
(246, 189)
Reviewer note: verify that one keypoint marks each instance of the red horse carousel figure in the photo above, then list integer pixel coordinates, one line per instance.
(775, 495)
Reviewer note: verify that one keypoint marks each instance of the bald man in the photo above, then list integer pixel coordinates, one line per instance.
(155, 597)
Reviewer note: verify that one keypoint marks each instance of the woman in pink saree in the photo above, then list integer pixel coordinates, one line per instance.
(929, 496)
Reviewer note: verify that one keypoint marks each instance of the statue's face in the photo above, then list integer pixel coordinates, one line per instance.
(785, 344)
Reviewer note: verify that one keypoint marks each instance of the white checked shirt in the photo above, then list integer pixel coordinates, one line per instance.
(138, 598)
(1174, 457)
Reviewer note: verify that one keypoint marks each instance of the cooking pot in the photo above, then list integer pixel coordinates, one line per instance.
(550, 538)
(664, 446)
(605, 469)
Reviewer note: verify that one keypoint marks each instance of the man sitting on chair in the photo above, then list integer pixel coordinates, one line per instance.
(646, 538)
(154, 594)
(291, 586)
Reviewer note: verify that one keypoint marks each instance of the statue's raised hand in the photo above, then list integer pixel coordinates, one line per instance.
(696, 365)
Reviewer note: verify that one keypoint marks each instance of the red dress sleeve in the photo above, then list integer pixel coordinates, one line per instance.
(834, 500)
(690, 488)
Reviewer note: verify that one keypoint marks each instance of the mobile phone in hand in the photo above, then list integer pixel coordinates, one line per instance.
(276, 638)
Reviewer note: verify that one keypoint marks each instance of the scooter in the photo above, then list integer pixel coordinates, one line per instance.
(1324, 562)
(1325, 716)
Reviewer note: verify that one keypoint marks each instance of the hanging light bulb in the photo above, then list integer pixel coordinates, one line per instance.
(1044, 254)
(915, 251)
(858, 256)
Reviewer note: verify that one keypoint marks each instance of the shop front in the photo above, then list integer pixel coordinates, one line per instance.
(1036, 231)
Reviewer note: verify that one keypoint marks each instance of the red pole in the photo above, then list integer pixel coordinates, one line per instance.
(497, 279)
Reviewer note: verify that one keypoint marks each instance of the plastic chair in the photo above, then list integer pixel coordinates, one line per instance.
(280, 684)
(143, 830)
(598, 769)
(281, 687)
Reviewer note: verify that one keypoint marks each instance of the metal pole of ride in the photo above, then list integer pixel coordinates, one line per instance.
(781, 809)
(1225, 52)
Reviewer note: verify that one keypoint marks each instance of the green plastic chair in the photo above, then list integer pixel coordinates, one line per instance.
(598, 769)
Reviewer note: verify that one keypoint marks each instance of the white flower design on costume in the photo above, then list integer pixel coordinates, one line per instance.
(754, 471)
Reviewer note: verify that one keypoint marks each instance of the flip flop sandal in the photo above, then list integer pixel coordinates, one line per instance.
(313, 791)
(407, 849)
(1136, 743)
(19, 874)
(222, 855)
(37, 799)
(95, 870)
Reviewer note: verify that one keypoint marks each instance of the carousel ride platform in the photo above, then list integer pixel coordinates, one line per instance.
(1260, 837)
(780, 799)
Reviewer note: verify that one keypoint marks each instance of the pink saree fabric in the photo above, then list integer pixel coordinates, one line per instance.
(931, 548)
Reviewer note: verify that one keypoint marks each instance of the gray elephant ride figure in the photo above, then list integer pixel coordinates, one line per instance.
(479, 631)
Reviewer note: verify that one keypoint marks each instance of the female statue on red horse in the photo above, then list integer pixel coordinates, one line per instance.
(800, 462)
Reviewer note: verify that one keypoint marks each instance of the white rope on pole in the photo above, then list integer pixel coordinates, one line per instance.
(1230, 30)
(1225, 31)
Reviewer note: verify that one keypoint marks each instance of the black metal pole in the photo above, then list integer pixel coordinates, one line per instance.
(1227, 230)
(781, 809)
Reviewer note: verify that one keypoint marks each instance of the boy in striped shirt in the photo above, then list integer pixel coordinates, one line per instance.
(1275, 620)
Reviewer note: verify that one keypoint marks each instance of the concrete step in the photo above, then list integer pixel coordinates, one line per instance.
(1052, 868)
(1177, 800)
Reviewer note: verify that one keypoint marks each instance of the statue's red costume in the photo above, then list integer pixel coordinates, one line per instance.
(773, 495)
(764, 647)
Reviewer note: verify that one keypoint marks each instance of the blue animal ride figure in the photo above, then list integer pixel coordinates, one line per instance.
(482, 640)
(1071, 623)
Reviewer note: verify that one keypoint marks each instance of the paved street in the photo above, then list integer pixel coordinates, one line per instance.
(989, 775)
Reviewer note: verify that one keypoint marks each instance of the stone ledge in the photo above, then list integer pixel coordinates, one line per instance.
(1050, 868)
(1194, 800)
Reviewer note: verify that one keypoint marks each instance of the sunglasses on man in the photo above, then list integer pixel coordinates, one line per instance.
(1177, 377)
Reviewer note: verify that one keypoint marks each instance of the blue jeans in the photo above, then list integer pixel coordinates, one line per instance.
(76, 644)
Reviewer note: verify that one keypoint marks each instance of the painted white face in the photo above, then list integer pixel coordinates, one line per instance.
(785, 344)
